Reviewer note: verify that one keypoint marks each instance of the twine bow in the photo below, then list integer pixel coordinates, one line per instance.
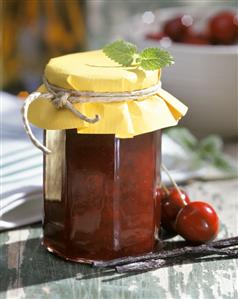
(65, 98)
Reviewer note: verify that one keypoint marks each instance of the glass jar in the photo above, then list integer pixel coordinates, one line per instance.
(99, 195)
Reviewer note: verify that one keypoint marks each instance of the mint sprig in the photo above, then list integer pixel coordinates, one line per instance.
(121, 52)
(154, 58)
(126, 54)
(208, 150)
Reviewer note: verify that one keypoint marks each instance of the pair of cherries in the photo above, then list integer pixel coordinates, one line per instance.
(195, 221)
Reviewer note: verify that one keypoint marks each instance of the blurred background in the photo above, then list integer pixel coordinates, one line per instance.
(205, 75)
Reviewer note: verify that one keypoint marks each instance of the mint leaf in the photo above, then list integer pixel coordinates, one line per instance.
(183, 137)
(221, 161)
(210, 150)
(121, 51)
(155, 58)
(206, 151)
(126, 54)
(210, 145)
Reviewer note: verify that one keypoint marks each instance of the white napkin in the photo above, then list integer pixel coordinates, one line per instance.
(21, 169)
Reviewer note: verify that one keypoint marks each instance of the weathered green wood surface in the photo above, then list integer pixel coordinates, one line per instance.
(27, 270)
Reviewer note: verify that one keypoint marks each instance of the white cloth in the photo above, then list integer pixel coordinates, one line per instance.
(21, 169)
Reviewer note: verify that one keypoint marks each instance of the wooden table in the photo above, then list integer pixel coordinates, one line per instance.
(27, 270)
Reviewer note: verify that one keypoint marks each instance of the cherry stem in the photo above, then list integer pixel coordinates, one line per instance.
(165, 188)
(164, 168)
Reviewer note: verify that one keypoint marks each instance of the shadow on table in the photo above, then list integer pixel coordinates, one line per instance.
(28, 263)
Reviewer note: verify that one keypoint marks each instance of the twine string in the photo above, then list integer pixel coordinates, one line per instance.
(30, 99)
(65, 98)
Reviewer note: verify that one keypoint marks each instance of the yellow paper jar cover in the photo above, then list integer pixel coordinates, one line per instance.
(93, 71)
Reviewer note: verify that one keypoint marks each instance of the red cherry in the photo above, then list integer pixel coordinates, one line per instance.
(160, 194)
(195, 39)
(155, 36)
(236, 24)
(223, 28)
(197, 222)
(177, 28)
(170, 206)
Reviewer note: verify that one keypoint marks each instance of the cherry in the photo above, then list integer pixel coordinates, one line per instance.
(223, 28)
(197, 222)
(236, 24)
(171, 204)
(160, 194)
(195, 39)
(178, 27)
(155, 36)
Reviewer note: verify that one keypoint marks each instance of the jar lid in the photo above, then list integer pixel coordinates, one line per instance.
(94, 72)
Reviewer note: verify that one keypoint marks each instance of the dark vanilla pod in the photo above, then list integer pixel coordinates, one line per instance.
(154, 264)
(218, 247)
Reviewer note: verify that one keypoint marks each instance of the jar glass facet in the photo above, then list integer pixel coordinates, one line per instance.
(99, 195)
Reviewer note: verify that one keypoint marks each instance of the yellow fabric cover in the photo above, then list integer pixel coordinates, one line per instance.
(93, 71)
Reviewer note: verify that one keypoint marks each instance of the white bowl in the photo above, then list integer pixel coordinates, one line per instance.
(204, 77)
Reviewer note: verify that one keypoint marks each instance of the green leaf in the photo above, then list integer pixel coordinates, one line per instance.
(210, 145)
(208, 151)
(155, 58)
(121, 51)
(221, 161)
(183, 137)
(126, 54)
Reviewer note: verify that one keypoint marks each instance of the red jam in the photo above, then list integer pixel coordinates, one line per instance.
(107, 207)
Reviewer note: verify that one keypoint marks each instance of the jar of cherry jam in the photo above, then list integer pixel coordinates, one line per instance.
(105, 206)
(100, 177)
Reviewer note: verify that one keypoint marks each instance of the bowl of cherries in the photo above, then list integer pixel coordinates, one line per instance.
(221, 28)
(204, 43)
